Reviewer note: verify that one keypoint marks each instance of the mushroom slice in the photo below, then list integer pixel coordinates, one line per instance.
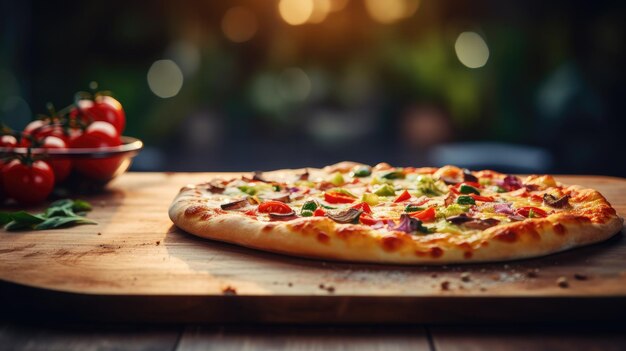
(449, 181)
(258, 176)
(460, 219)
(282, 215)
(481, 223)
(235, 204)
(305, 175)
(555, 202)
(215, 186)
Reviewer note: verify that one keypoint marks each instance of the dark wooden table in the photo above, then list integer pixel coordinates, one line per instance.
(69, 337)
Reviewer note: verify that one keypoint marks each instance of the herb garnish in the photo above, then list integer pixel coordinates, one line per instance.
(61, 213)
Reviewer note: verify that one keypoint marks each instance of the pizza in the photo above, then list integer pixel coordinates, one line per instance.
(383, 214)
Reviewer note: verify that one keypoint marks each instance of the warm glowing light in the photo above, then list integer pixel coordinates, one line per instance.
(294, 84)
(390, 11)
(410, 7)
(165, 78)
(337, 5)
(471, 50)
(321, 8)
(239, 24)
(295, 12)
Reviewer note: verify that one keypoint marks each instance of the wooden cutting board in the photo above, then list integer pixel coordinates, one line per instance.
(136, 266)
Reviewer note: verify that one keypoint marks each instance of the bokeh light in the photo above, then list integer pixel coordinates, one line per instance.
(295, 12)
(337, 5)
(239, 24)
(18, 109)
(294, 84)
(390, 11)
(321, 9)
(165, 78)
(186, 55)
(265, 94)
(471, 50)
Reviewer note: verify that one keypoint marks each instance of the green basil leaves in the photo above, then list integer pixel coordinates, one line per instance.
(61, 213)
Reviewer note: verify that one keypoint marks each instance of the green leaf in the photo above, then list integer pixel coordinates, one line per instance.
(309, 206)
(27, 218)
(13, 225)
(465, 200)
(5, 217)
(81, 206)
(59, 212)
(385, 190)
(397, 174)
(411, 208)
(67, 208)
(468, 189)
(57, 222)
(62, 203)
(248, 189)
(362, 171)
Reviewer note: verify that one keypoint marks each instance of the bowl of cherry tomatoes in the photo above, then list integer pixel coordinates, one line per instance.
(80, 148)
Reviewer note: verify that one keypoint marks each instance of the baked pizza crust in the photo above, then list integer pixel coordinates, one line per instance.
(322, 238)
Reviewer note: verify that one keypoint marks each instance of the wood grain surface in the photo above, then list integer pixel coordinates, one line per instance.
(103, 337)
(135, 258)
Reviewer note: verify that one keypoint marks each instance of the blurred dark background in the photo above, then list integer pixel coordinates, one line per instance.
(519, 86)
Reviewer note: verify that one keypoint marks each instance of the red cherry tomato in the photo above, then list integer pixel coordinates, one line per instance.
(5, 141)
(40, 129)
(2, 194)
(8, 141)
(274, 207)
(28, 184)
(103, 108)
(427, 215)
(60, 167)
(333, 197)
(98, 135)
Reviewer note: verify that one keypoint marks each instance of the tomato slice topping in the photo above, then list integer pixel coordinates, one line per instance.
(338, 198)
(274, 207)
(481, 198)
(536, 212)
(403, 197)
(426, 215)
(363, 206)
(319, 213)
(369, 220)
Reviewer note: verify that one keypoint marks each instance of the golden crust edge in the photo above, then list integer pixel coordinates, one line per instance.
(368, 245)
